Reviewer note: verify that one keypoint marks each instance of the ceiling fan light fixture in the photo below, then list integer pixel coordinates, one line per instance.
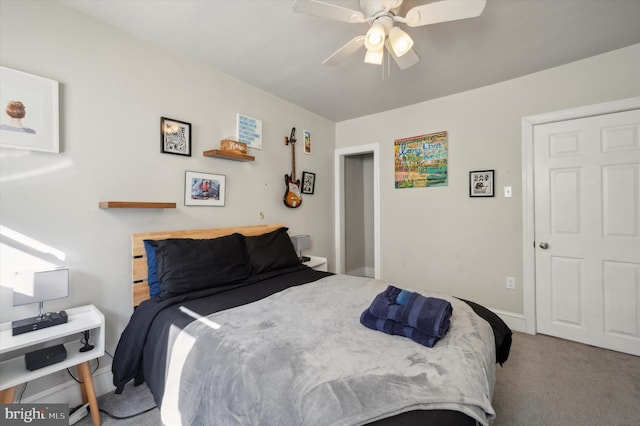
(401, 43)
(374, 40)
(374, 57)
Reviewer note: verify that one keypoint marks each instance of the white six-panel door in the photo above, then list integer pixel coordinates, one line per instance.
(587, 230)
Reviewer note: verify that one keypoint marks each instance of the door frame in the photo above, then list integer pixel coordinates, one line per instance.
(528, 195)
(339, 215)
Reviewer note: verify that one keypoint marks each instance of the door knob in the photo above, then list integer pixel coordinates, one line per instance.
(544, 246)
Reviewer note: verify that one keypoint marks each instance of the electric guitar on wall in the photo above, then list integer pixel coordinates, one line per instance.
(292, 198)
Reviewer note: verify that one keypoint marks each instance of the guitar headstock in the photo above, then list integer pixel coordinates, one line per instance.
(291, 138)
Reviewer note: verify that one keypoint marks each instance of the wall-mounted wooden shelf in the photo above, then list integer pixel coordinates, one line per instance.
(228, 155)
(135, 205)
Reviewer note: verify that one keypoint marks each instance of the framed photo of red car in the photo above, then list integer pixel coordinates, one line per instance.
(204, 189)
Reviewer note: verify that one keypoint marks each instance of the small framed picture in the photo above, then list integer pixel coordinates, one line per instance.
(30, 112)
(204, 189)
(175, 137)
(307, 141)
(308, 182)
(481, 183)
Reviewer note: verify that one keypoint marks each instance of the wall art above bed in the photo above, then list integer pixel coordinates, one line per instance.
(30, 112)
(249, 131)
(204, 189)
(175, 137)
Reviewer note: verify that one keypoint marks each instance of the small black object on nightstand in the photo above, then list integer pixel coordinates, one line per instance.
(85, 340)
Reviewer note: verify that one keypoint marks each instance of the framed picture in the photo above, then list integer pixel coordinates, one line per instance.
(204, 189)
(249, 131)
(308, 182)
(481, 183)
(307, 142)
(30, 115)
(175, 137)
(422, 161)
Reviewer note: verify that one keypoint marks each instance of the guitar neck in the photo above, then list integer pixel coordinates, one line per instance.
(293, 161)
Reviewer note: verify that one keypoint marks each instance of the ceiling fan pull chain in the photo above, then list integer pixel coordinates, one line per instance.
(388, 64)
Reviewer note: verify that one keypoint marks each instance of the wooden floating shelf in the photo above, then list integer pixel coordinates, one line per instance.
(135, 205)
(229, 155)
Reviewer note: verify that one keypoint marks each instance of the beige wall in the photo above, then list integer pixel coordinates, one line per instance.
(113, 90)
(439, 239)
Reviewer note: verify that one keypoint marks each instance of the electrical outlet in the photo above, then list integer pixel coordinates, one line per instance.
(511, 283)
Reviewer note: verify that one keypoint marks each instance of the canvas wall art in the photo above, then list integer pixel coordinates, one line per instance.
(422, 161)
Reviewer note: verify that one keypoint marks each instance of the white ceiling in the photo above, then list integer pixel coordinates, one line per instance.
(266, 44)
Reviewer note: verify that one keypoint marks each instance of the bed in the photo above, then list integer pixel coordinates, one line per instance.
(229, 328)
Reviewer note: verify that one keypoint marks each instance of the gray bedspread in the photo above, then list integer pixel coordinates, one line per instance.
(301, 357)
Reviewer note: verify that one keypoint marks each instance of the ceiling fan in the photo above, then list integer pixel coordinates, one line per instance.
(382, 16)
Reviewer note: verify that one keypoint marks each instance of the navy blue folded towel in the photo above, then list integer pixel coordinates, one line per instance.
(429, 315)
(396, 329)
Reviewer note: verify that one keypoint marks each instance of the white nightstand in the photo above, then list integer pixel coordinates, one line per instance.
(318, 263)
(14, 371)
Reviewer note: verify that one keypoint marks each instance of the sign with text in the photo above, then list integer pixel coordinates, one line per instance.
(249, 131)
(422, 161)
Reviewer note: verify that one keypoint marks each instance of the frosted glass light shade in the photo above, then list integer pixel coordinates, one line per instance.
(401, 43)
(374, 40)
(374, 57)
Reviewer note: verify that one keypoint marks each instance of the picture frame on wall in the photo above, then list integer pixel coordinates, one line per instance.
(30, 112)
(481, 183)
(249, 131)
(204, 189)
(308, 182)
(307, 141)
(175, 137)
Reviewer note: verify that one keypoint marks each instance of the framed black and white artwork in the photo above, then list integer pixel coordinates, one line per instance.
(175, 137)
(481, 183)
(308, 182)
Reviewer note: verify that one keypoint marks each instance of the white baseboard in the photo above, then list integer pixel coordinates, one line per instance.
(516, 322)
(363, 271)
(68, 392)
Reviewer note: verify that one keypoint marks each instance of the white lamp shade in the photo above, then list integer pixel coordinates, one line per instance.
(374, 57)
(40, 286)
(301, 242)
(401, 43)
(374, 40)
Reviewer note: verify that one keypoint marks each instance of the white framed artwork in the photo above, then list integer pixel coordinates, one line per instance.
(307, 141)
(30, 112)
(249, 131)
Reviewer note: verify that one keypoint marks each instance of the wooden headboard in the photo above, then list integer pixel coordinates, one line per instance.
(139, 272)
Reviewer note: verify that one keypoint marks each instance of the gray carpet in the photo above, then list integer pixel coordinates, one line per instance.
(546, 382)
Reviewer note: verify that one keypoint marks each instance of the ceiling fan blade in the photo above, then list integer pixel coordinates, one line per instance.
(443, 11)
(405, 61)
(328, 10)
(348, 49)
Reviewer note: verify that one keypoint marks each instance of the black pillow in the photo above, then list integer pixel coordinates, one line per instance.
(186, 265)
(268, 252)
